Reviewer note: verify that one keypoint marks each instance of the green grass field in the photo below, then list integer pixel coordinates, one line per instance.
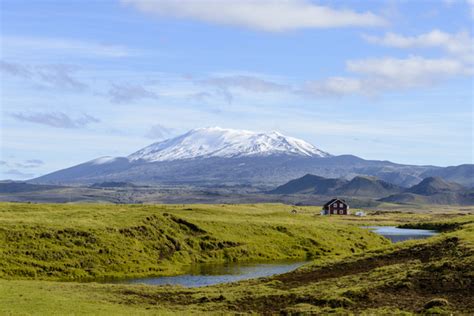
(352, 270)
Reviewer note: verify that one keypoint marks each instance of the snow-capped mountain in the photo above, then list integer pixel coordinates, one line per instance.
(225, 143)
(217, 156)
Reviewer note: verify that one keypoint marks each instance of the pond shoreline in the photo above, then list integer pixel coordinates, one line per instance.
(397, 234)
(211, 273)
(201, 275)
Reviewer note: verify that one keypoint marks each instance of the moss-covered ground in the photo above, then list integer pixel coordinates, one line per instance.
(352, 270)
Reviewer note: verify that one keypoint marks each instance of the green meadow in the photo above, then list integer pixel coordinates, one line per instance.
(51, 254)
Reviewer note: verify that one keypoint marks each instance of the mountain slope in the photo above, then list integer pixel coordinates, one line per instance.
(227, 143)
(360, 186)
(434, 185)
(434, 190)
(309, 184)
(97, 170)
(445, 198)
(368, 187)
(462, 174)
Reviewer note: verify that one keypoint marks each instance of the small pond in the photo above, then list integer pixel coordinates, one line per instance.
(396, 234)
(210, 274)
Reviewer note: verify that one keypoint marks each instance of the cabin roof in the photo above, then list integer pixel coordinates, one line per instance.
(334, 200)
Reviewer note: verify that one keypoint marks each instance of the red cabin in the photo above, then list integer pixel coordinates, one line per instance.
(335, 207)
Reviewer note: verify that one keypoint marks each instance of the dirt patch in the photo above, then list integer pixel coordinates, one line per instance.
(273, 304)
(187, 225)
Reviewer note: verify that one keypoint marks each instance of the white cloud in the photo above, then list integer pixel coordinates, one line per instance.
(249, 83)
(266, 15)
(415, 71)
(334, 86)
(55, 119)
(52, 75)
(459, 44)
(412, 71)
(378, 75)
(126, 93)
(13, 44)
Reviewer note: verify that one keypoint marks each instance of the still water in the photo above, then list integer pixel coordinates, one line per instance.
(210, 274)
(396, 234)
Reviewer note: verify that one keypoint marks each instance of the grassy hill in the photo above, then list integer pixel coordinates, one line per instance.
(432, 276)
(77, 242)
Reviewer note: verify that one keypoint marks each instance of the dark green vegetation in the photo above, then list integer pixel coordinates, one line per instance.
(431, 276)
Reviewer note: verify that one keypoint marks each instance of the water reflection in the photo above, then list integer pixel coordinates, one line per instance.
(210, 274)
(396, 234)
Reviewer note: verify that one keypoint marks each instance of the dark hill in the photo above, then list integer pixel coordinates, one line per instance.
(434, 185)
(445, 198)
(434, 190)
(358, 186)
(309, 184)
(462, 174)
(368, 187)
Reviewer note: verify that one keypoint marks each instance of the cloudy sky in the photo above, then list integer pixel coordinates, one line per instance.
(388, 80)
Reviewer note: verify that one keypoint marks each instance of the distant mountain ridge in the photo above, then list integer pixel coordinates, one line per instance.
(434, 185)
(431, 190)
(462, 174)
(434, 190)
(216, 156)
(369, 186)
(360, 186)
(309, 184)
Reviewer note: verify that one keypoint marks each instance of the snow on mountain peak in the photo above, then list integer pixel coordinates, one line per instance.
(220, 142)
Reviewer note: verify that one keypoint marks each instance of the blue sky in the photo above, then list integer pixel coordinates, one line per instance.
(388, 80)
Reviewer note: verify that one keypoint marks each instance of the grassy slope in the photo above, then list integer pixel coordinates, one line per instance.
(70, 242)
(398, 278)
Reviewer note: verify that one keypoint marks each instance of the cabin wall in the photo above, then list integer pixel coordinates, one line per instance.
(338, 208)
